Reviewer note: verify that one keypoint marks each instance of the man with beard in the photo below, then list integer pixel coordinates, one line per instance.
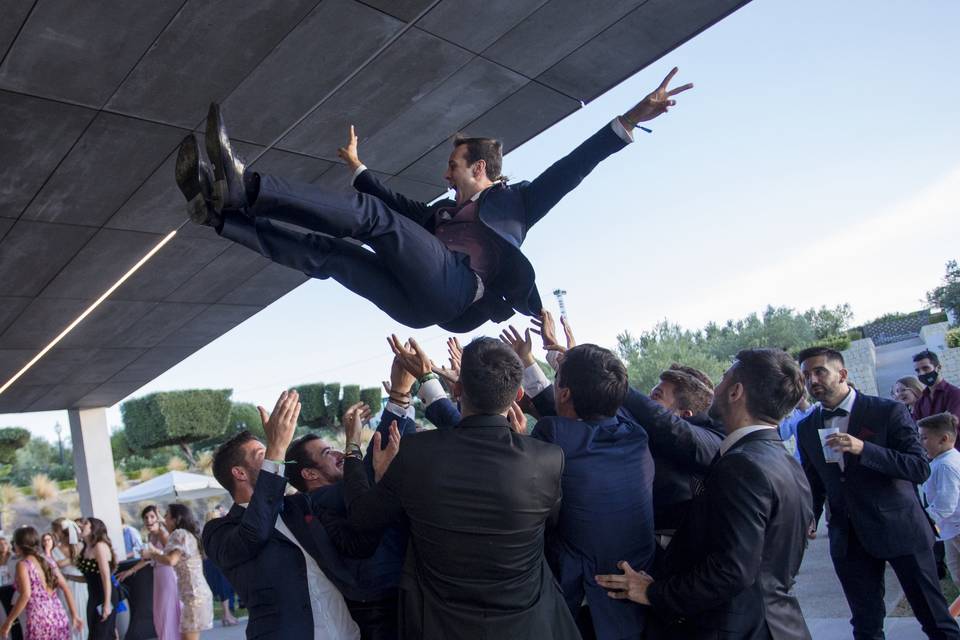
(862, 454)
(938, 395)
(730, 568)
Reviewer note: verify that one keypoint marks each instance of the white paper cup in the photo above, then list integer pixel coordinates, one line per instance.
(828, 453)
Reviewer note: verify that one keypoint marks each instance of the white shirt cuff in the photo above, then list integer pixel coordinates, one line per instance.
(272, 467)
(618, 128)
(362, 168)
(534, 380)
(431, 391)
(397, 410)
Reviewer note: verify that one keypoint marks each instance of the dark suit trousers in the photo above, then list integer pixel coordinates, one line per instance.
(377, 619)
(410, 274)
(861, 576)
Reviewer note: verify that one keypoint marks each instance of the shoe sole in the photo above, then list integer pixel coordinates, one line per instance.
(188, 180)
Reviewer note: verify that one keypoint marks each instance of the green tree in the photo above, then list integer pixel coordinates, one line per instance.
(947, 295)
(11, 440)
(653, 351)
(372, 397)
(313, 411)
(245, 417)
(176, 418)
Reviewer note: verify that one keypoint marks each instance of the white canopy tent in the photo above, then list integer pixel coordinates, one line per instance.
(173, 486)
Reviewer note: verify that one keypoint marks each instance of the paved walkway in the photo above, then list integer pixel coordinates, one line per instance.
(895, 361)
(226, 633)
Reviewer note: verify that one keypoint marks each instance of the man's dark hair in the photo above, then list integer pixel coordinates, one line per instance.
(597, 381)
(692, 388)
(490, 373)
(772, 381)
(813, 352)
(926, 354)
(297, 459)
(150, 508)
(940, 423)
(229, 455)
(486, 149)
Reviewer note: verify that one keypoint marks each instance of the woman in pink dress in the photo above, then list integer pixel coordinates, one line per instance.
(166, 597)
(38, 581)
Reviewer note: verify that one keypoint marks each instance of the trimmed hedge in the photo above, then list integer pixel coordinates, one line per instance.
(351, 396)
(953, 338)
(244, 415)
(175, 417)
(331, 403)
(312, 406)
(11, 440)
(372, 397)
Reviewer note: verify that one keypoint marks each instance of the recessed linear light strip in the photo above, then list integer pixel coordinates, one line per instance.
(89, 310)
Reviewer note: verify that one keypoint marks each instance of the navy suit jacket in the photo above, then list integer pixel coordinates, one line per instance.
(876, 492)
(509, 210)
(267, 570)
(606, 515)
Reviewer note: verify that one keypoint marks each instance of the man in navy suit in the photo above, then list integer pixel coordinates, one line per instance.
(868, 470)
(456, 263)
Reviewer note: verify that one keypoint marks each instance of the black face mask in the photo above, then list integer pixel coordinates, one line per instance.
(929, 379)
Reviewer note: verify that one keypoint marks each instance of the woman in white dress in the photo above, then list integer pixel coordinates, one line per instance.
(66, 534)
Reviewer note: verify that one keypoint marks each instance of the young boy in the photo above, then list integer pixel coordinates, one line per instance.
(938, 435)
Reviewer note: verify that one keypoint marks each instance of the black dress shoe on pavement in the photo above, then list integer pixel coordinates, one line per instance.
(195, 179)
(228, 188)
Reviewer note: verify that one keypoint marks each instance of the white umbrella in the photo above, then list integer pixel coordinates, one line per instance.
(173, 485)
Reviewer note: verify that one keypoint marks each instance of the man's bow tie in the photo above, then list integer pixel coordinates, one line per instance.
(835, 413)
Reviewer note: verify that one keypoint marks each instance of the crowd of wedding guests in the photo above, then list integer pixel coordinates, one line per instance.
(66, 584)
(525, 507)
(619, 513)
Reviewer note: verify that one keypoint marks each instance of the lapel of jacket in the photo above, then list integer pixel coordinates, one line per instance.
(297, 516)
(855, 427)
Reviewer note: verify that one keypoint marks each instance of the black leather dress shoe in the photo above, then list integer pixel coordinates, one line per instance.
(195, 179)
(228, 189)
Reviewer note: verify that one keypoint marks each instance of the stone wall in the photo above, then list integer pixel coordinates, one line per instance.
(861, 363)
(935, 337)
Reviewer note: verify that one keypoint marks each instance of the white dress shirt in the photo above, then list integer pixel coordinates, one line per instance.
(331, 618)
(841, 422)
(942, 491)
(736, 436)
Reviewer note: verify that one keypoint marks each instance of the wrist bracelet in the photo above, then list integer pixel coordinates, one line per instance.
(352, 449)
(427, 377)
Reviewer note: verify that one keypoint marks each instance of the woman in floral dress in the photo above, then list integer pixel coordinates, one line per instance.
(184, 554)
(37, 581)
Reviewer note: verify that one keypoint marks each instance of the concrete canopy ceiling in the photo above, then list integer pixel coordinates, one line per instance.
(95, 96)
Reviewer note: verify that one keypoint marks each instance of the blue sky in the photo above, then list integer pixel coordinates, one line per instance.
(814, 163)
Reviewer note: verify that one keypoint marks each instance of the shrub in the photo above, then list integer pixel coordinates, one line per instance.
(12, 439)
(372, 397)
(205, 462)
(9, 494)
(351, 396)
(147, 473)
(313, 405)
(176, 418)
(176, 463)
(46, 511)
(953, 338)
(119, 477)
(43, 487)
(331, 403)
(838, 343)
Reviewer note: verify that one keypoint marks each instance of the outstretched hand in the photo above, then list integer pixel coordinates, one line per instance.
(656, 103)
(280, 425)
(383, 457)
(353, 420)
(348, 152)
(517, 418)
(521, 344)
(411, 356)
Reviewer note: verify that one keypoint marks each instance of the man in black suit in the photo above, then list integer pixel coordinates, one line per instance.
(274, 570)
(730, 568)
(478, 497)
(868, 470)
(456, 263)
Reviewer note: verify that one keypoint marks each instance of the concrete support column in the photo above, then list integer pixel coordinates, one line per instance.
(93, 464)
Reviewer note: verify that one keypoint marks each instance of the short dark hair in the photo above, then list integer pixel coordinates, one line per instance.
(490, 373)
(926, 354)
(229, 455)
(486, 149)
(297, 459)
(150, 508)
(940, 423)
(772, 381)
(596, 378)
(813, 352)
(692, 388)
